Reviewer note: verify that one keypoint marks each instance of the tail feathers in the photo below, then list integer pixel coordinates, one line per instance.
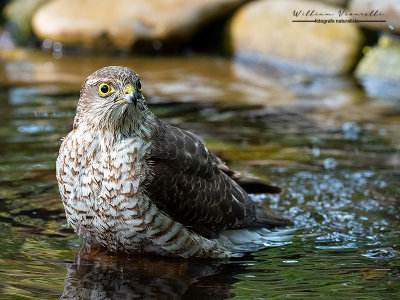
(264, 221)
(269, 219)
(250, 185)
(272, 221)
(250, 240)
(261, 218)
(257, 186)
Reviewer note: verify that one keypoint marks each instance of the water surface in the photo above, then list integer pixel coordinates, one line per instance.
(335, 152)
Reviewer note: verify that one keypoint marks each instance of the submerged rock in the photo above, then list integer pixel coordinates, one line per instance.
(123, 23)
(263, 32)
(379, 69)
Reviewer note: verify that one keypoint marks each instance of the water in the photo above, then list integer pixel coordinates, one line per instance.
(335, 152)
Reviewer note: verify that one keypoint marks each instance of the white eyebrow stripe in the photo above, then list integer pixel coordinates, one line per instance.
(95, 81)
(91, 81)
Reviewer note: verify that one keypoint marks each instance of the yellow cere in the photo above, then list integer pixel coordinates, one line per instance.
(105, 89)
(129, 88)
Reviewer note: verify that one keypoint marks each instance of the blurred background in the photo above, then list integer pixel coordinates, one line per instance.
(313, 107)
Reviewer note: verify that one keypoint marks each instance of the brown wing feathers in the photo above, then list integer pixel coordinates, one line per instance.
(191, 185)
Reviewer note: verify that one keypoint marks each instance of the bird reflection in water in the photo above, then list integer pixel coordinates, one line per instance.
(97, 274)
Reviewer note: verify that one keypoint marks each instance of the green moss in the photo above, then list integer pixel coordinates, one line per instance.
(18, 15)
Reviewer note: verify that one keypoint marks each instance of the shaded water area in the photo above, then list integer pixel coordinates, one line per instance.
(335, 152)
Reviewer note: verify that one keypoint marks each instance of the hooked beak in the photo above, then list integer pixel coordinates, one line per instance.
(131, 94)
(131, 98)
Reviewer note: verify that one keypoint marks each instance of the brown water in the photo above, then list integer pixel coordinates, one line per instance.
(335, 152)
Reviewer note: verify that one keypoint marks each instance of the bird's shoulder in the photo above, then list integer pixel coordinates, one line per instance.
(187, 183)
(182, 150)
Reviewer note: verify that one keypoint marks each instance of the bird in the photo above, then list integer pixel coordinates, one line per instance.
(133, 183)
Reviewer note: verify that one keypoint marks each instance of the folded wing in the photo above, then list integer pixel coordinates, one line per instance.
(192, 186)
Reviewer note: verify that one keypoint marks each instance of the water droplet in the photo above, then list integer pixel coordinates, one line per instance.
(330, 163)
(315, 151)
(156, 44)
(57, 55)
(47, 44)
(351, 130)
(57, 47)
(48, 66)
(289, 261)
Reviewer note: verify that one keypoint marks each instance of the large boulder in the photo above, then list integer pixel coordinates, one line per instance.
(263, 31)
(385, 10)
(379, 69)
(123, 23)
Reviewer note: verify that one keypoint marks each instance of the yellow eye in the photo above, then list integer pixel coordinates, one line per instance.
(139, 85)
(105, 89)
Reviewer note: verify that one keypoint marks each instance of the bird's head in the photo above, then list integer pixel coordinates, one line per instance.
(111, 99)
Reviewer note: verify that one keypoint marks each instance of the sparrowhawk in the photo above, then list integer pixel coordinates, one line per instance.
(134, 183)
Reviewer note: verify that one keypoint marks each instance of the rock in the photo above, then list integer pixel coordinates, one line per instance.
(122, 24)
(339, 3)
(390, 10)
(379, 70)
(263, 32)
(18, 14)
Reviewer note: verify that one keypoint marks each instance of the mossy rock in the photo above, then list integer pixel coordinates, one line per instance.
(18, 16)
(379, 70)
